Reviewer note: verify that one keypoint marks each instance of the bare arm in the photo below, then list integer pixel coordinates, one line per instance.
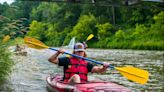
(54, 58)
(98, 69)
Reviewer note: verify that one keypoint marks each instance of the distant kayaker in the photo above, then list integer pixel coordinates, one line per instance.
(85, 45)
(20, 50)
(76, 69)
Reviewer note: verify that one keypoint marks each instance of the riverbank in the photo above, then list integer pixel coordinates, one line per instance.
(6, 64)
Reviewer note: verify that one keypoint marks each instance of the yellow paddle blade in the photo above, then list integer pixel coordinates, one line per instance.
(134, 74)
(90, 37)
(5, 39)
(34, 43)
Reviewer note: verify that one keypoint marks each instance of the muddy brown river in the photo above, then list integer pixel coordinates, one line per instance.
(29, 72)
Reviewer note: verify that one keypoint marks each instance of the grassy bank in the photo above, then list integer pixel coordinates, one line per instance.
(5, 63)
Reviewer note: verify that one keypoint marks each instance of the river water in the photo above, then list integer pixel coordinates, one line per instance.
(29, 72)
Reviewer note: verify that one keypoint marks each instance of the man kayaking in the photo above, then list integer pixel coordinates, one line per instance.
(76, 69)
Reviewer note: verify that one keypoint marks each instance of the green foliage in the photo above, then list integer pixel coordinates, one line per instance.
(67, 37)
(149, 45)
(137, 16)
(44, 12)
(104, 30)
(104, 34)
(5, 63)
(141, 37)
(47, 33)
(129, 16)
(64, 15)
(84, 27)
(140, 30)
(56, 23)
(37, 29)
(158, 27)
(14, 28)
(24, 8)
(120, 35)
(159, 18)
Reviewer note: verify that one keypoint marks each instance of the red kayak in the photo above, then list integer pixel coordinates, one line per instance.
(56, 85)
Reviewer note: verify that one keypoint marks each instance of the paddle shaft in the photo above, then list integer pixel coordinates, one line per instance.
(90, 60)
(94, 61)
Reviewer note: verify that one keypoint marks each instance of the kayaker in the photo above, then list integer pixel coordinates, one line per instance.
(76, 69)
(85, 45)
(20, 50)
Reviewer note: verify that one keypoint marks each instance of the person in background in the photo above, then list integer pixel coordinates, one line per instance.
(85, 45)
(20, 50)
(76, 69)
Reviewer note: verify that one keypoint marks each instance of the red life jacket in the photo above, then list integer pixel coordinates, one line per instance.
(76, 67)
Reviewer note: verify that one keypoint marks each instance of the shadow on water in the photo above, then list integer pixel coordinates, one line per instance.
(30, 71)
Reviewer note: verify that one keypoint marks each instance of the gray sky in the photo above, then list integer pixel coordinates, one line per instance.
(8, 1)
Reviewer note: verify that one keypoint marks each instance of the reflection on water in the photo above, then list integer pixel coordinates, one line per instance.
(29, 73)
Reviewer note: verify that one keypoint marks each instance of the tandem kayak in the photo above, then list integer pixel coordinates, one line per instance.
(55, 84)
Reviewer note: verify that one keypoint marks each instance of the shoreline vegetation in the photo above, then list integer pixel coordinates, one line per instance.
(5, 64)
(57, 23)
(141, 37)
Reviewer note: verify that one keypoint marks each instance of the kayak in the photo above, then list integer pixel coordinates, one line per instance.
(55, 84)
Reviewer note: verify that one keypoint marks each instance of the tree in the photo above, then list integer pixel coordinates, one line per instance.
(37, 29)
(84, 27)
(120, 35)
(105, 30)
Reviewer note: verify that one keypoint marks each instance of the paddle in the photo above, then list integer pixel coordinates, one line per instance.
(131, 73)
(89, 37)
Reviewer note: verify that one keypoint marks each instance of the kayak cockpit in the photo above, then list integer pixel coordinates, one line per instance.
(56, 85)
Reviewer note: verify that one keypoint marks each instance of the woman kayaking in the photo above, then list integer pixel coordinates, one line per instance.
(76, 69)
